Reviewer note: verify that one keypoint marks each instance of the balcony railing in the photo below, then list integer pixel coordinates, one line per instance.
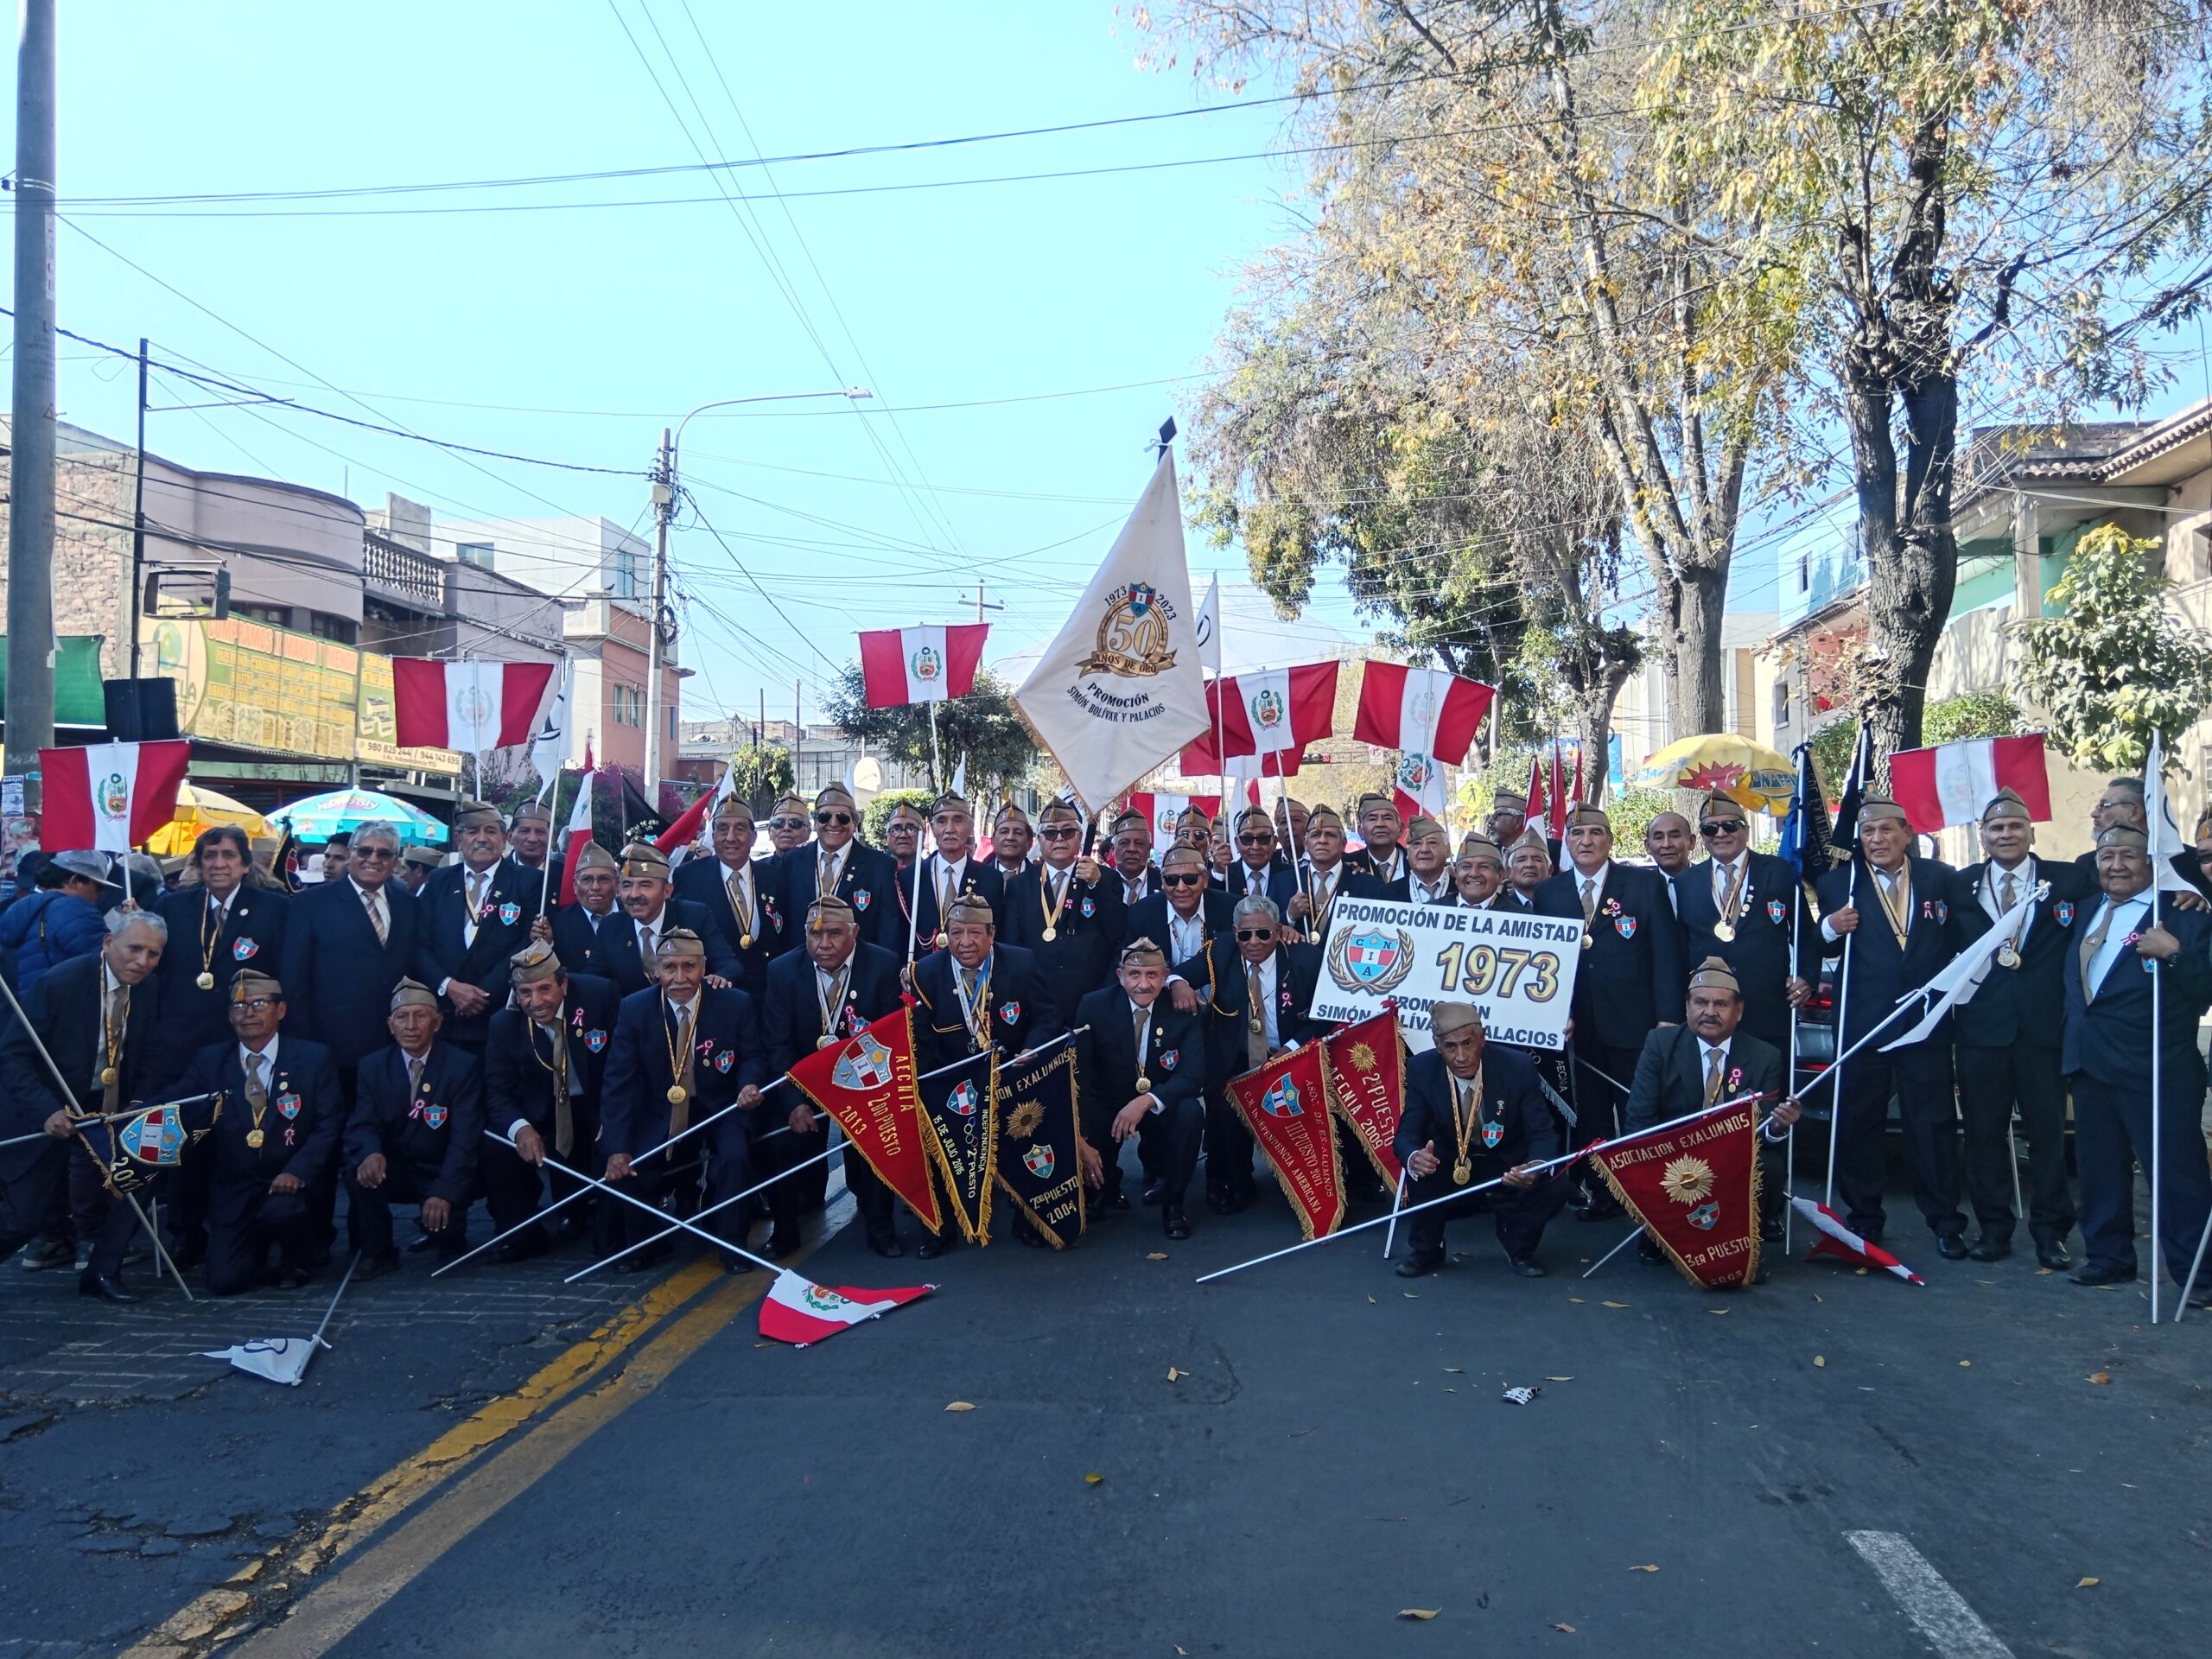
(402, 572)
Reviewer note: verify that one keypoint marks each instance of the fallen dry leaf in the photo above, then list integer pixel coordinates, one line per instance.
(1155, 1256)
(1859, 1273)
(1372, 1302)
(1569, 1629)
(1092, 1479)
(1649, 1568)
(1819, 1359)
(2046, 1273)
(1455, 1371)
(1419, 1613)
(1616, 1304)
(1816, 1295)
(1720, 1310)
(1575, 1299)
(1409, 1295)
(2086, 1584)
(1559, 1379)
(1174, 1375)
(959, 1405)
(1964, 1362)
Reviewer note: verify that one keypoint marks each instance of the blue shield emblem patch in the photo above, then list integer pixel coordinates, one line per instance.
(433, 1115)
(289, 1105)
(865, 1064)
(1089, 906)
(1011, 1013)
(244, 950)
(1777, 910)
(1492, 1134)
(724, 1060)
(1039, 1161)
(963, 1100)
(1704, 1217)
(1625, 926)
(1169, 1058)
(1371, 956)
(155, 1138)
(2063, 909)
(1282, 1100)
(594, 1041)
(510, 914)
(862, 897)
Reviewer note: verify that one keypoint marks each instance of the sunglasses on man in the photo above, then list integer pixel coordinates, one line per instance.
(833, 817)
(1264, 840)
(1060, 832)
(1719, 826)
(1182, 878)
(787, 823)
(1246, 935)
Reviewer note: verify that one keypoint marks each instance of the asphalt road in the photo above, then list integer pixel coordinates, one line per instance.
(1331, 1449)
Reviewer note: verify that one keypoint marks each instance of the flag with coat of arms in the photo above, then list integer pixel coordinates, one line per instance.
(109, 797)
(798, 1310)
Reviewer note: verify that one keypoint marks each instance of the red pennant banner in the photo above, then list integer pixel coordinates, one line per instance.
(1696, 1188)
(1365, 1064)
(867, 1084)
(1285, 1103)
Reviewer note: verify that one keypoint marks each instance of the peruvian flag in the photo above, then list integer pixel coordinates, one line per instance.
(933, 664)
(1163, 811)
(798, 1310)
(471, 706)
(1549, 804)
(1273, 711)
(573, 843)
(109, 796)
(1199, 759)
(1537, 798)
(1835, 1239)
(1952, 783)
(1420, 710)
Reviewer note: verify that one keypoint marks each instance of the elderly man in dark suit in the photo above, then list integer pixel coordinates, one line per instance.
(414, 1134)
(1749, 910)
(1258, 868)
(1262, 984)
(741, 895)
(1140, 1071)
(838, 862)
(951, 872)
(2122, 945)
(269, 1141)
(545, 1059)
(99, 1018)
(1324, 874)
(1066, 910)
(649, 912)
(583, 934)
(1629, 981)
(1474, 1113)
(1712, 1057)
(346, 943)
(474, 916)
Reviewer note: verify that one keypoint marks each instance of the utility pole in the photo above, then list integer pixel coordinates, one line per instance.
(978, 602)
(663, 510)
(30, 491)
(139, 523)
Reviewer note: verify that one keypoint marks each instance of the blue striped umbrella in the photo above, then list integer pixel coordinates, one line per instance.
(344, 811)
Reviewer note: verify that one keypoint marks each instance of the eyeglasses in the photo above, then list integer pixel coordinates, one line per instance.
(1720, 826)
(1060, 832)
(1256, 841)
(833, 817)
(1246, 935)
(256, 1004)
(360, 853)
(787, 823)
(1183, 879)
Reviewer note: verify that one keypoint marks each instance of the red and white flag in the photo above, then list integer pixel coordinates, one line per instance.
(798, 1310)
(1163, 812)
(1537, 799)
(1199, 759)
(1420, 710)
(1952, 783)
(470, 706)
(1833, 1238)
(573, 843)
(1274, 711)
(929, 664)
(109, 796)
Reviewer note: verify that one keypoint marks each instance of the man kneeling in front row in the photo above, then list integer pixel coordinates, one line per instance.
(1473, 1115)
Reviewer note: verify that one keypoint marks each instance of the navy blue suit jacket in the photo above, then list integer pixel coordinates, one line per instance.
(1880, 973)
(869, 882)
(440, 1127)
(1022, 1011)
(981, 877)
(634, 1114)
(301, 1142)
(1631, 978)
(1510, 1100)
(518, 1060)
(338, 979)
(443, 952)
(252, 936)
(1086, 945)
(790, 1018)
(617, 958)
(703, 882)
(2025, 1004)
(584, 950)
(2109, 1039)
(1773, 904)
(1108, 1066)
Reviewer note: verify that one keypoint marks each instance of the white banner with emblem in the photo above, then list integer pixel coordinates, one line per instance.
(1517, 968)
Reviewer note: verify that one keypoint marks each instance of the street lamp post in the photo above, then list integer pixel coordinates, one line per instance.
(666, 491)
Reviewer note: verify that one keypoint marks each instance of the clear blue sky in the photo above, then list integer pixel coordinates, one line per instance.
(592, 328)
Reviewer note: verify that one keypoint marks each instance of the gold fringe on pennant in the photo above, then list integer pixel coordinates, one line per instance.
(980, 1233)
(1752, 1262)
(1065, 1056)
(1333, 1095)
(1335, 1158)
(933, 1221)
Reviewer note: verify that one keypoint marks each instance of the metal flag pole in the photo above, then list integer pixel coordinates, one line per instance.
(1789, 1144)
(1634, 1234)
(329, 1313)
(1391, 1238)
(914, 899)
(653, 1210)
(1842, 1017)
(712, 1209)
(110, 1117)
(1481, 1186)
(2189, 1283)
(2157, 1140)
(936, 760)
(67, 1095)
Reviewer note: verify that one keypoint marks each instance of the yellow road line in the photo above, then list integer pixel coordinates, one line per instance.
(331, 1611)
(407, 1483)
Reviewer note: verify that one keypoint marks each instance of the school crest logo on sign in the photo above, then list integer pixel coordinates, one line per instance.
(1039, 1162)
(866, 1063)
(1133, 636)
(1376, 960)
(1282, 1100)
(963, 1100)
(926, 664)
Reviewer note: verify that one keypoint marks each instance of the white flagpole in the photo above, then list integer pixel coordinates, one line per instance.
(1789, 1144)
(2157, 1140)
(1391, 1238)
(937, 759)
(1842, 1014)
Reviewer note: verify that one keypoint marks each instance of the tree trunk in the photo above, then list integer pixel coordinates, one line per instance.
(1594, 707)
(1913, 566)
(1692, 624)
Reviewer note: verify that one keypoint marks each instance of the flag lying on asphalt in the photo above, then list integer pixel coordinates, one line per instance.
(1834, 1239)
(798, 1310)
(280, 1359)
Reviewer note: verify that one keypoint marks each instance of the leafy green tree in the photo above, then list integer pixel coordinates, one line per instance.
(876, 815)
(981, 726)
(2113, 666)
(762, 773)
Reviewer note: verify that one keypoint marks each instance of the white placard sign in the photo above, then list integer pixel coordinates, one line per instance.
(1518, 968)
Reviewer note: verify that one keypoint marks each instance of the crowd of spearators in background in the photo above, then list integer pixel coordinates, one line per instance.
(424, 1034)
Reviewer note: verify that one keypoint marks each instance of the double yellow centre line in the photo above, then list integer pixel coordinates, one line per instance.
(548, 1417)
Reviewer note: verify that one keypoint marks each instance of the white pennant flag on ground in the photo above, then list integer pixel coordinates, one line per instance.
(281, 1359)
(798, 1310)
(1121, 688)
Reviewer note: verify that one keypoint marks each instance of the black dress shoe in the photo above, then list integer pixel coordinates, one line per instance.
(645, 1260)
(1155, 1192)
(103, 1286)
(2090, 1274)
(523, 1247)
(570, 1228)
(1989, 1249)
(1647, 1249)
(1525, 1267)
(420, 1242)
(1770, 1232)
(1950, 1247)
(780, 1245)
(189, 1253)
(887, 1247)
(1221, 1204)
(293, 1278)
(1173, 1219)
(734, 1263)
(1420, 1264)
(2053, 1256)
(932, 1247)
(375, 1267)
(1116, 1200)
(1603, 1209)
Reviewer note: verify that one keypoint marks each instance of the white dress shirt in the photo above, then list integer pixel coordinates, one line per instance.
(2129, 916)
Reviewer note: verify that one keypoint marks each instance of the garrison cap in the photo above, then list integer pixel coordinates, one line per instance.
(680, 941)
(423, 858)
(1371, 799)
(1511, 800)
(1481, 846)
(474, 815)
(1714, 974)
(835, 795)
(1588, 816)
(1143, 953)
(904, 809)
(952, 801)
(412, 993)
(1321, 815)
(531, 812)
(1721, 806)
(249, 982)
(1181, 853)
(1423, 825)
(643, 858)
(593, 856)
(534, 962)
(1254, 814)
(788, 801)
(1877, 807)
(735, 806)
(1058, 812)
(1130, 819)
(971, 907)
(2005, 805)
(830, 904)
(2124, 835)
(1447, 1017)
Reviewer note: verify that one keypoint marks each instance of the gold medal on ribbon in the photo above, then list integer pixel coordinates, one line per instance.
(107, 1076)
(827, 1039)
(677, 1094)
(253, 1138)
(1144, 1084)
(1588, 939)
(1050, 934)
(1724, 931)
(206, 981)
(944, 938)
(745, 941)
(2007, 956)
(1463, 1172)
